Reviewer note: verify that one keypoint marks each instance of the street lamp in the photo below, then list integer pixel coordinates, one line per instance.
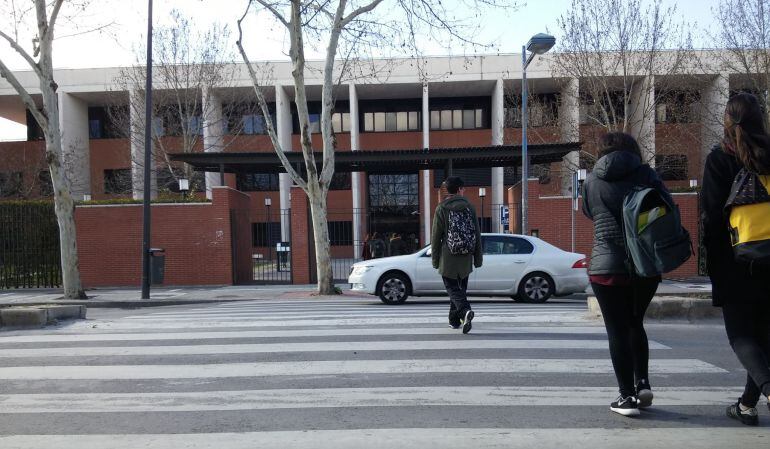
(482, 194)
(147, 161)
(537, 45)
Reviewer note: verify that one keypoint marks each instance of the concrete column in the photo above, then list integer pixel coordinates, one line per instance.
(569, 130)
(427, 214)
(213, 132)
(642, 117)
(283, 127)
(355, 177)
(498, 130)
(73, 122)
(136, 111)
(713, 101)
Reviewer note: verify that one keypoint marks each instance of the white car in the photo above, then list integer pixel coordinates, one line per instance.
(525, 268)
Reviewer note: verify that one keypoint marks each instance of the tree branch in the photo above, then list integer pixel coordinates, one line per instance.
(26, 98)
(272, 9)
(32, 63)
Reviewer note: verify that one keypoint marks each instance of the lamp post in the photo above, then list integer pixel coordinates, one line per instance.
(482, 194)
(147, 161)
(268, 203)
(537, 45)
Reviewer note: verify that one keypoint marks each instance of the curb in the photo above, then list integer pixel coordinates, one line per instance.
(39, 316)
(133, 304)
(670, 307)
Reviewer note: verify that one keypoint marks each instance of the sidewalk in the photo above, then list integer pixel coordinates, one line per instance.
(169, 296)
(163, 296)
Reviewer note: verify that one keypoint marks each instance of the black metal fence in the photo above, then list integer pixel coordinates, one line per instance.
(29, 245)
(271, 246)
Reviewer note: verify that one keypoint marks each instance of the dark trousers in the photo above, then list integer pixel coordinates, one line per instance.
(458, 298)
(623, 308)
(748, 329)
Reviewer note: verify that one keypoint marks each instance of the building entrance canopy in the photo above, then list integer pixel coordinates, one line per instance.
(383, 161)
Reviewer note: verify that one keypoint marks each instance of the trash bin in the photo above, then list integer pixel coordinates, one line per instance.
(157, 265)
(283, 249)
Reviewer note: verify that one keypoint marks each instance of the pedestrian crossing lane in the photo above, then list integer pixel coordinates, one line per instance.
(307, 355)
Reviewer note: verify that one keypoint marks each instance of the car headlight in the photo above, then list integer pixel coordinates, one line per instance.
(358, 271)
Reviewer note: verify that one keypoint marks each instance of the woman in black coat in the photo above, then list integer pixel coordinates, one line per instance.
(743, 291)
(623, 298)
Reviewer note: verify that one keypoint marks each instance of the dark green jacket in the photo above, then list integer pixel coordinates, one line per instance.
(448, 264)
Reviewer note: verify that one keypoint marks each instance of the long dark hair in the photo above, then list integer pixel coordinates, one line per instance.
(745, 134)
(617, 141)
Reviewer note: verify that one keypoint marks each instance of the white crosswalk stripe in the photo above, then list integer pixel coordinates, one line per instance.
(305, 355)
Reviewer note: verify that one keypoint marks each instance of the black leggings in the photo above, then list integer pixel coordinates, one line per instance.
(748, 329)
(623, 308)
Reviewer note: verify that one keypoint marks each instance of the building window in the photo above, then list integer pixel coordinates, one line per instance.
(341, 122)
(542, 110)
(677, 107)
(606, 111)
(257, 182)
(391, 121)
(456, 119)
(394, 193)
(117, 181)
(340, 181)
(11, 184)
(340, 233)
(671, 167)
(265, 234)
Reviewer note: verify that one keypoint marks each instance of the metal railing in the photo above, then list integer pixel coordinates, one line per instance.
(29, 245)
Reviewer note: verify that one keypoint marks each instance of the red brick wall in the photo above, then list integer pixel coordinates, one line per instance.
(300, 238)
(196, 237)
(551, 217)
(27, 158)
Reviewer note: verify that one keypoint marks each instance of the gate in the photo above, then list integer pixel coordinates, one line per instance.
(271, 246)
(29, 245)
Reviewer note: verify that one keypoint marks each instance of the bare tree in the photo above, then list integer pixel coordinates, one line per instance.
(744, 35)
(189, 65)
(629, 57)
(40, 60)
(348, 30)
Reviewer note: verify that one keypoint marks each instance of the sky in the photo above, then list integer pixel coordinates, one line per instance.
(127, 26)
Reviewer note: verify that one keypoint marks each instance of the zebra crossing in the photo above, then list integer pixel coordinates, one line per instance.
(342, 373)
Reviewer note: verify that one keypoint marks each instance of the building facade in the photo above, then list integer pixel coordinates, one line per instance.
(450, 102)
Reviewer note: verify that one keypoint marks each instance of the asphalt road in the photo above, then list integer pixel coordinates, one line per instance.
(353, 373)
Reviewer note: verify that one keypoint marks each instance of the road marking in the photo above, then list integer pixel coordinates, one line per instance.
(349, 397)
(331, 316)
(409, 438)
(347, 346)
(389, 331)
(342, 367)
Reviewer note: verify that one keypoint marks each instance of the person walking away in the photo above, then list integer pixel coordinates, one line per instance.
(623, 297)
(366, 251)
(740, 287)
(397, 245)
(377, 246)
(456, 249)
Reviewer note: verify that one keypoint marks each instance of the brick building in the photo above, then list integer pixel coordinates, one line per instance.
(467, 102)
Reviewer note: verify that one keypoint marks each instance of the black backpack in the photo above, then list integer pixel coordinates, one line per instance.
(461, 232)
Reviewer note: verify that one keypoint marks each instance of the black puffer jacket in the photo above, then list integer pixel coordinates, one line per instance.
(612, 178)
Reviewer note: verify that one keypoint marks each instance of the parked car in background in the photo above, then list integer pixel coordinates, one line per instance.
(525, 268)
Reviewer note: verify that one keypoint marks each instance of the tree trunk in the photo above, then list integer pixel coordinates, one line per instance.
(322, 246)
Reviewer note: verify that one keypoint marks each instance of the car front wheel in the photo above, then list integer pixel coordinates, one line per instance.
(393, 288)
(536, 288)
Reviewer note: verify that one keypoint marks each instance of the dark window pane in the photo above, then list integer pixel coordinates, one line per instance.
(671, 167)
(94, 129)
(11, 184)
(340, 181)
(265, 235)
(469, 119)
(414, 121)
(391, 121)
(117, 181)
(45, 185)
(257, 182)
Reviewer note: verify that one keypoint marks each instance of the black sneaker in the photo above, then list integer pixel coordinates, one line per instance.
(467, 322)
(625, 406)
(643, 394)
(455, 325)
(749, 417)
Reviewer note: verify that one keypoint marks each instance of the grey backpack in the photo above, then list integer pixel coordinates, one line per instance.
(656, 242)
